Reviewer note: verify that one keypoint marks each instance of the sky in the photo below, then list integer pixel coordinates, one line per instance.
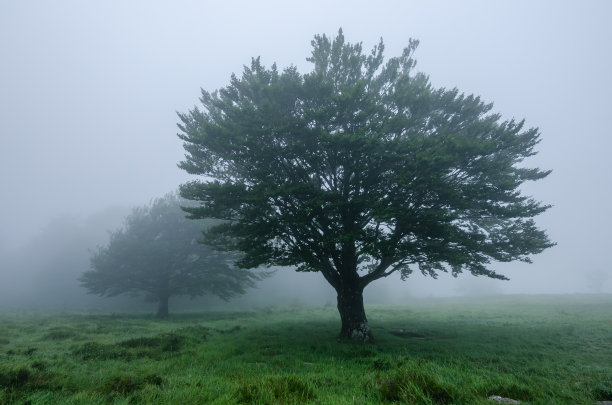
(89, 93)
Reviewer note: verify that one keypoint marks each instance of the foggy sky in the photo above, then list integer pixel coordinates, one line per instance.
(89, 93)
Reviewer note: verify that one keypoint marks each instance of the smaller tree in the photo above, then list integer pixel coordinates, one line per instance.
(157, 252)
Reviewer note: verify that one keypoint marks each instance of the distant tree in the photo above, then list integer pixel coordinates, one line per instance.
(360, 169)
(157, 252)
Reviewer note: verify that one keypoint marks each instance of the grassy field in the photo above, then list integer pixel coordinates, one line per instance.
(539, 350)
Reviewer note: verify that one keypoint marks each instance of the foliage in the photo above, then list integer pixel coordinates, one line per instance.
(361, 165)
(360, 169)
(157, 252)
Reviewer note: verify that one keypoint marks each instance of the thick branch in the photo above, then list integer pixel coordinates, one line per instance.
(377, 273)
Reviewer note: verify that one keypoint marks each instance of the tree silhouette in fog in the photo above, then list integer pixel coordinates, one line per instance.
(359, 170)
(157, 252)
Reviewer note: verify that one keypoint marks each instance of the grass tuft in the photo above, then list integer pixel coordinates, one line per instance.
(128, 384)
(154, 347)
(516, 391)
(38, 365)
(123, 385)
(274, 390)
(420, 387)
(603, 391)
(15, 378)
(100, 351)
(168, 342)
(60, 333)
(381, 364)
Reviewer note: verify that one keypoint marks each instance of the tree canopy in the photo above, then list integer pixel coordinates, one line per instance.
(157, 252)
(360, 169)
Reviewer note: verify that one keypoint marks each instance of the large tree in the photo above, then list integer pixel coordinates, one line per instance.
(157, 252)
(360, 169)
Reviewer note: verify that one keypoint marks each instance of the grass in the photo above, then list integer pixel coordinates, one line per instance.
(539, 350)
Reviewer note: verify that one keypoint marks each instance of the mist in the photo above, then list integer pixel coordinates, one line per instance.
(89, 95)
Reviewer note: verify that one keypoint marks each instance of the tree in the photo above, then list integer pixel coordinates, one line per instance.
(360, 169)
(157, 252)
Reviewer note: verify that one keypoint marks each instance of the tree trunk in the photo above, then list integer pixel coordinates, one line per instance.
(352, 313)
(162, 309)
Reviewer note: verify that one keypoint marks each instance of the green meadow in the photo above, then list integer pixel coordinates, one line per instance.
(534, 349)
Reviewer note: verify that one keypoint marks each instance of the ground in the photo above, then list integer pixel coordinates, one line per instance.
(539, 350)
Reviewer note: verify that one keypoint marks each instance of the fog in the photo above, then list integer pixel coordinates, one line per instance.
(89, 93)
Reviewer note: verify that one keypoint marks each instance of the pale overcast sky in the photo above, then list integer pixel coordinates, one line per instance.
(89, 92)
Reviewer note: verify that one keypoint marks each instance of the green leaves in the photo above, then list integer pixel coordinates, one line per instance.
(157, 251)
(360, 168)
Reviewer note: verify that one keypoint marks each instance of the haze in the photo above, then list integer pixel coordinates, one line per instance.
(89, 93)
